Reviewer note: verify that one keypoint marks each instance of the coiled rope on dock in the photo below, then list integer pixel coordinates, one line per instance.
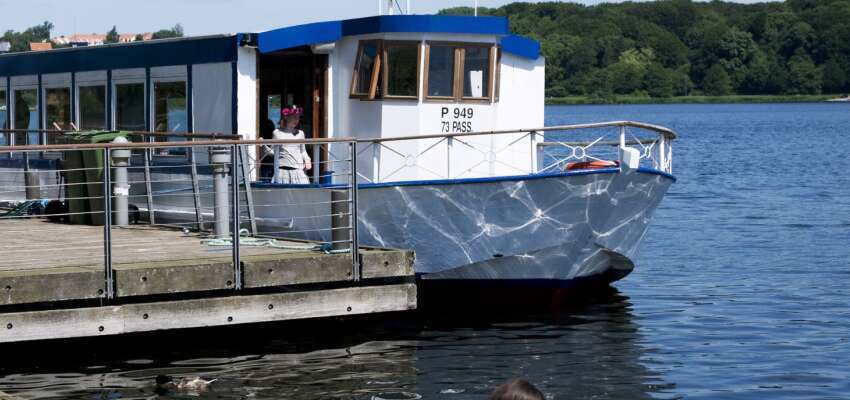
(245, 240)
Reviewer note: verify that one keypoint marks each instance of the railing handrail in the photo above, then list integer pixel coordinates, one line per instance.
(666, 132)
(207, 135)
(156, 145)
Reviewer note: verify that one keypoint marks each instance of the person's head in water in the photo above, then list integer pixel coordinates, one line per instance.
(290, 117)
(517, 389)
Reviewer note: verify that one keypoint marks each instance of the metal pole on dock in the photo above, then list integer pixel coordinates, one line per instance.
(220, 158)
(107, 227)
(355, 246)
(237, 263)
(121, 188)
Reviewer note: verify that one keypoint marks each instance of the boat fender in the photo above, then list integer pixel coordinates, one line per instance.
(630, 159)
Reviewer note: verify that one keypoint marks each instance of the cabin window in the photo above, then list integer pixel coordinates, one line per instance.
(170, 107)
(441, 71)
(366, 70)
(130, 106)
(386, 70)
(401, 75)
(26, 116)
(460, 72)
(92, 106)
(58, 108)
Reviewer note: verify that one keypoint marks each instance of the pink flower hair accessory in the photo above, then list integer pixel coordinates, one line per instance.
(292, 111)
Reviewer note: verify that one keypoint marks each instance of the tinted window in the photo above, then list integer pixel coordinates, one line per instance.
(441, 65)
(402, 67)
(476, 72)
(170, 107)
(92, 102)
(26, 115)
(58, 109)
(130, 107)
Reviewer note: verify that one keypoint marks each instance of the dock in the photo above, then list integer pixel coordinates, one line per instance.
(67, 265)
(91, 270)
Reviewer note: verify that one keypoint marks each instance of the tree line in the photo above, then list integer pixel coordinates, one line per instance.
(20, 41)
(681, 47)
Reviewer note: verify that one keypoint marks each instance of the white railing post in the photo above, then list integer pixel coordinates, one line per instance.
(376, 162)
(449, 146)
(533, 137)
(662, 157)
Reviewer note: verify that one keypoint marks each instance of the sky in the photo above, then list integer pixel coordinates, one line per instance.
(198, 17)
(201, 17)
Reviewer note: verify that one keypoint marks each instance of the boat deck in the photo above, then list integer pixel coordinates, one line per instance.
(60, 267)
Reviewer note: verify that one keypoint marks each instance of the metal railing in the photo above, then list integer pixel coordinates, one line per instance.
(512, 151)
(208, 197)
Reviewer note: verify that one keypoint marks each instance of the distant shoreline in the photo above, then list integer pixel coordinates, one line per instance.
(733, 99)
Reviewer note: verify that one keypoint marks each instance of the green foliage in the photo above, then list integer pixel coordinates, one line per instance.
(174, 32)
(716, 81)
(112, 36)
(20, 41)
(670, 48)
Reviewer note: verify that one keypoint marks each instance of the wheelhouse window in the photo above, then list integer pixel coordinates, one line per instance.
(26, 116)
(460, 72)
(92, 106)
(441, 71)
(58, 108)
(386, 70)
(130, 106)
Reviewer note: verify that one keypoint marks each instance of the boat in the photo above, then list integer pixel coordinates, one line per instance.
(451, 155)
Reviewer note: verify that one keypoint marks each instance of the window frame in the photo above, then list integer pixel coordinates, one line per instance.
(459, 65)
(380, 74)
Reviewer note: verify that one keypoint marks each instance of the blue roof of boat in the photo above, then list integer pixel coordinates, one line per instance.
(330, 31)
(222, 48)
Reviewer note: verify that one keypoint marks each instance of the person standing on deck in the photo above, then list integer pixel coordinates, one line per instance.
(291, 160)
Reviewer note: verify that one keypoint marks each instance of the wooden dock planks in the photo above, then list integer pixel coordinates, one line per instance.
(50, 264)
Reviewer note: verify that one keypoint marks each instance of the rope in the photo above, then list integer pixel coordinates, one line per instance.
(326, 248)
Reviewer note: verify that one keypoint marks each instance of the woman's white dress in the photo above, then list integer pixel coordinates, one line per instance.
(290, 159)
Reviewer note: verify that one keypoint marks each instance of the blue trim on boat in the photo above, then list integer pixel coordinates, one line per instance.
(332, 31)
(435, 182)
(155, 53)
(521, 46)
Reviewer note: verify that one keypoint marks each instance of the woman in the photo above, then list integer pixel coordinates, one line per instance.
(291, 160)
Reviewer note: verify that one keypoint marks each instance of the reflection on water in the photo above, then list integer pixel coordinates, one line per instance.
(592, 351)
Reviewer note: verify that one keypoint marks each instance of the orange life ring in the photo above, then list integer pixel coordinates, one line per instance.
(594, 164)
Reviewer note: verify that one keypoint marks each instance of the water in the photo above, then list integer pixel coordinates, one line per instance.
(741, 292)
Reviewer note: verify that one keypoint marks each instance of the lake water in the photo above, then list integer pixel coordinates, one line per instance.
(742, 291)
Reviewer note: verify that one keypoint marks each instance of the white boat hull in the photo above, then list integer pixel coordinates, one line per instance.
(556, 227)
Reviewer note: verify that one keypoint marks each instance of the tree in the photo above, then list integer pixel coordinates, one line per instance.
(175, 31)
(716, 81)
(112, 36)
(20, 41)
(658, 81)
(805, 78)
